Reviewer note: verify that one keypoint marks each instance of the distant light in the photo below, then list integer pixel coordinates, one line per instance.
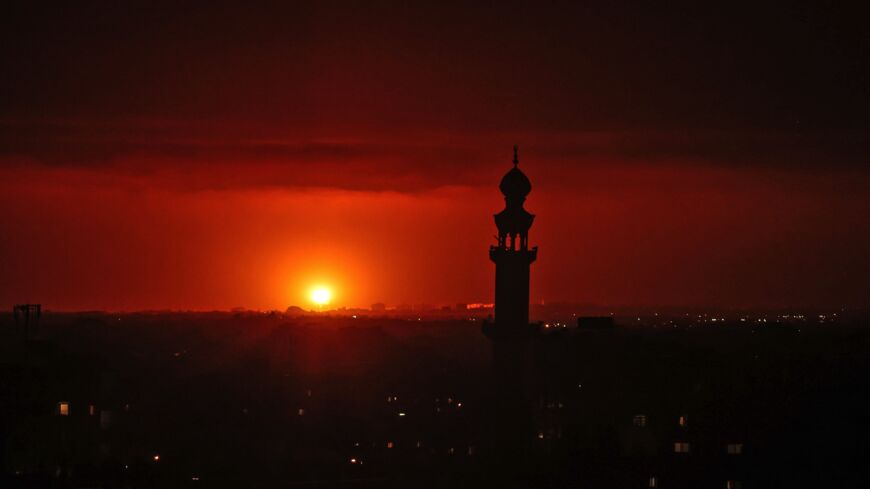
(301, 412)
(156, 458)
(194, 478)
(353, 460)
(459, 404)
(389, 444)
(63, 408)
(401, 414)
(321, 295)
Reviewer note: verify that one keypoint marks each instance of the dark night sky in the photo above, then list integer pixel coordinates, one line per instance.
(215, 155)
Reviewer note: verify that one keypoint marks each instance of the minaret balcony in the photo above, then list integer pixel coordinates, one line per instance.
(503, 254)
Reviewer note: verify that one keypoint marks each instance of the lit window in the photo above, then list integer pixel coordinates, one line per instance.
(734, 448)
(640, 420)
(301, 412)
(63, 408)
(472, 450)
(389, 444)
(653, 482)
(681, 447)
(451, 450)
(92, 410)
(683, 421)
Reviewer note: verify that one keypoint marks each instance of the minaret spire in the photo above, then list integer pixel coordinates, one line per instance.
(516, 158)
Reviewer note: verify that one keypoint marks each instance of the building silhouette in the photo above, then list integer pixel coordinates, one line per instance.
(512, 255)
(510, 425)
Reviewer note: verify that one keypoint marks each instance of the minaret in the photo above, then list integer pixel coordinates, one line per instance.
(509, 423)
(512, 255)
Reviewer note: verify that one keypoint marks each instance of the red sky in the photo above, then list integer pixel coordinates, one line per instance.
(157, 158)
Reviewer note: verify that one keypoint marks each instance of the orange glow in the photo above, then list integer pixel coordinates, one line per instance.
(321, 295)
(222, 249)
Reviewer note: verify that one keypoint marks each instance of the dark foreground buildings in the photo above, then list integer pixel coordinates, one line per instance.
(268, 400)
(249, 399)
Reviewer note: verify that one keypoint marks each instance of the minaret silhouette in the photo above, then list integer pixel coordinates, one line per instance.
(512, 255)
(509, 423)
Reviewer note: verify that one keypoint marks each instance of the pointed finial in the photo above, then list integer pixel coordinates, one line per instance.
(516, 158)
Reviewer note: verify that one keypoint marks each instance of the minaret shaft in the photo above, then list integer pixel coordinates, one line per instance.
(512, 269)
